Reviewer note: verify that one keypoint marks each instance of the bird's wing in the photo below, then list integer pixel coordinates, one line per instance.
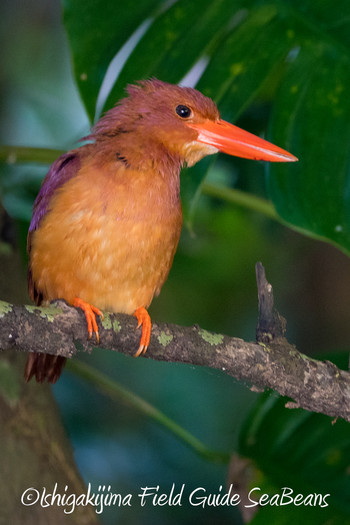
(60, 172)
(63, 169)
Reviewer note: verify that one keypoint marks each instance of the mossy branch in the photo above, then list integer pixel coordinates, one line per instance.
(270, 362)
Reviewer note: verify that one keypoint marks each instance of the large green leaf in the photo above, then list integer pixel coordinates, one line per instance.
(301, 451)
(312, 116)
(175, 41)
(292, 55)
(97, 30)
(247, 59)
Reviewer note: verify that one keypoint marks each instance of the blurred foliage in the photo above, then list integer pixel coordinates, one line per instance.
(281, 68)
(302, 451)
(294, 51)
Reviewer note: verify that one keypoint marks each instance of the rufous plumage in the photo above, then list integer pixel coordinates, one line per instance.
(107, 220)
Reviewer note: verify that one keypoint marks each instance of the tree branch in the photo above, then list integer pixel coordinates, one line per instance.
(271, 362)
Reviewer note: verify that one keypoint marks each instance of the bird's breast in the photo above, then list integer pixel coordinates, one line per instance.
(108, 238)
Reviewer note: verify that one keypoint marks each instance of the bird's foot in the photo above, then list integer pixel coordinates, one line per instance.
(90, 312)
(143, 320)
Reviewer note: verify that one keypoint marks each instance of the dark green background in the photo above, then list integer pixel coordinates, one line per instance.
(278, 68)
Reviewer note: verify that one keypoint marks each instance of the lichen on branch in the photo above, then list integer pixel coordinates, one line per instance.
(271, 362)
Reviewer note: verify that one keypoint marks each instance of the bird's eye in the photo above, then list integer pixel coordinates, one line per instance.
(183, 111)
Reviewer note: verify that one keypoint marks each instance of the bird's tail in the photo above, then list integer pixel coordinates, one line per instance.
(45, 367)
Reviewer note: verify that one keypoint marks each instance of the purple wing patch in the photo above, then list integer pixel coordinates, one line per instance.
(63, 169)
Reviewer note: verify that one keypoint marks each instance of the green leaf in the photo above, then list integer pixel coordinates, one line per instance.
(174, 42)
(97, 30)
(300, 450)
(287, 56)
(246, 59)
(312, 117)
(325, 19)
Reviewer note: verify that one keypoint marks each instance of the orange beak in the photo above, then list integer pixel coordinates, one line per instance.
(235, 141)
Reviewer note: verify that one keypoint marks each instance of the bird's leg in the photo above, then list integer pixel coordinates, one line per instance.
(143, 320)
(89, 311)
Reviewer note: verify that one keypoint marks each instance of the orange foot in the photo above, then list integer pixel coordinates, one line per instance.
(89, 311)
(143, 320)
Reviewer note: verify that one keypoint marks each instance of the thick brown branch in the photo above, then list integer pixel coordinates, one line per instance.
(271, 363)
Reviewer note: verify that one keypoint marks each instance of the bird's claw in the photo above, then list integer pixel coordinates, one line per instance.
(90, 312)
(144, 320)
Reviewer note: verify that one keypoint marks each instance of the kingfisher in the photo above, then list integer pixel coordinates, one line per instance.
(107, 220)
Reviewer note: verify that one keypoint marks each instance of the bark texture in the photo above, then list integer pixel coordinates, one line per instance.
(270, 362)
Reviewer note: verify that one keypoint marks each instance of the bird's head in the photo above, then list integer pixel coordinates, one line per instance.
(184, 122)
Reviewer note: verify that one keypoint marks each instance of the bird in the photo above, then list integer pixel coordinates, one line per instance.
(107, 219)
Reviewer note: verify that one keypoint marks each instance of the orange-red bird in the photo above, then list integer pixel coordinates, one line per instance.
(107, 220)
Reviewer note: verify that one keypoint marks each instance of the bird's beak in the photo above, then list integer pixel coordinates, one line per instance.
(235, 141)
